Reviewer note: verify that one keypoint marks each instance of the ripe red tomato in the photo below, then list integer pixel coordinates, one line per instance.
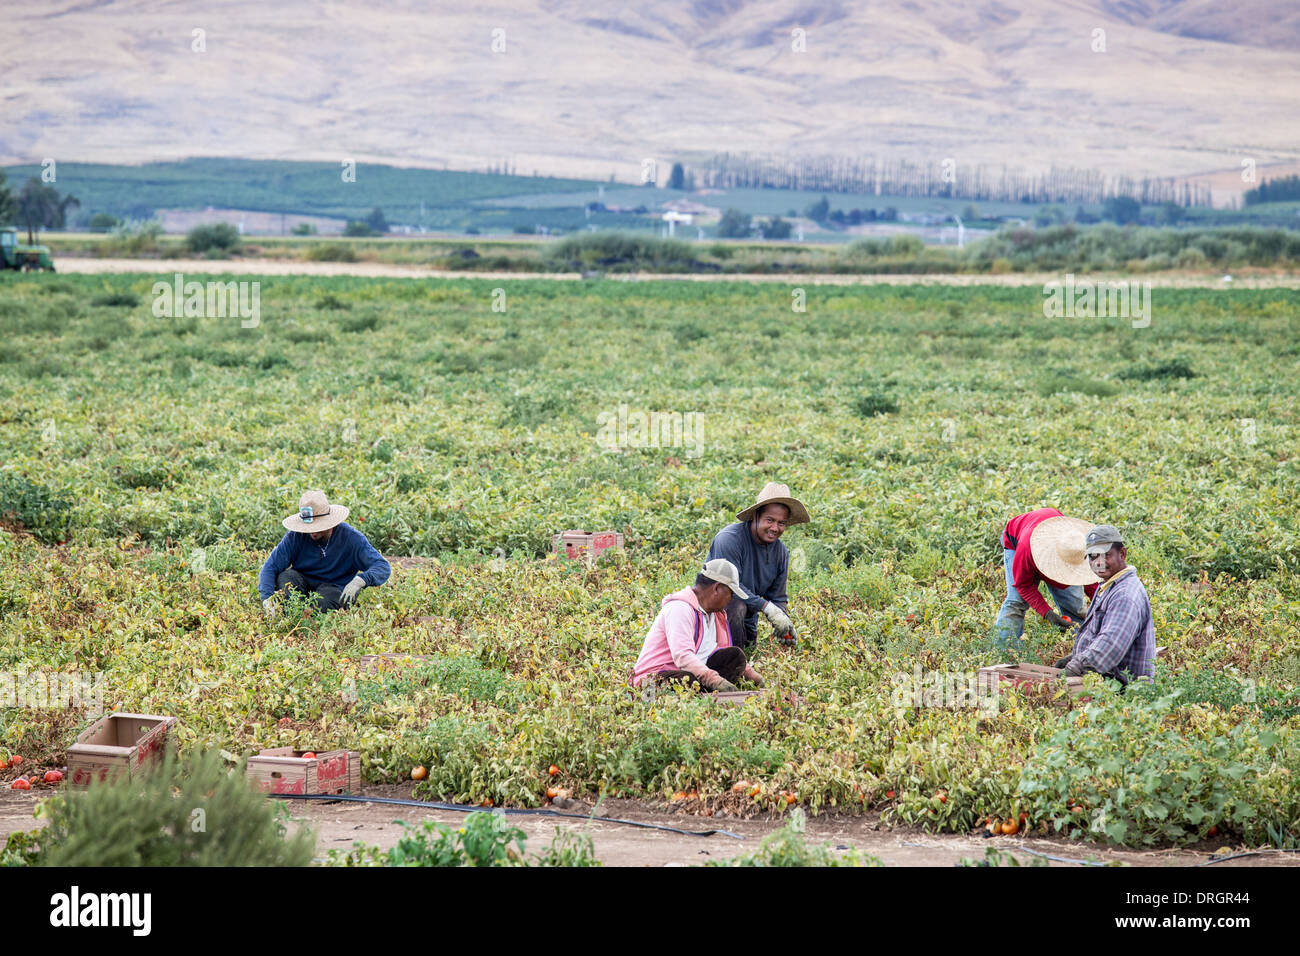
(22, 783)
(553, 770)
(309, 755)
(53, 776)
(16, 760)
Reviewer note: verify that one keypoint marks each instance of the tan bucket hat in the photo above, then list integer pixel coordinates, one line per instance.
(315, 513)
(1057, 546)
(774, 494)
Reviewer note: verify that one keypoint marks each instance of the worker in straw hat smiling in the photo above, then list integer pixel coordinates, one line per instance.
(321, 554)
(753, 545)
(1043, 547)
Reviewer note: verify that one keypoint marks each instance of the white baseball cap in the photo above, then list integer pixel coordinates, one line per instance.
(723, 571)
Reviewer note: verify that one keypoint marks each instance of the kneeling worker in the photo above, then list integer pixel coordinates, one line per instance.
(1118, 637)
(690, 639)
(321, 555)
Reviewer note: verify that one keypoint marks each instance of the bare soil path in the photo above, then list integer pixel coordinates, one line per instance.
(286, 267)
(339, 824)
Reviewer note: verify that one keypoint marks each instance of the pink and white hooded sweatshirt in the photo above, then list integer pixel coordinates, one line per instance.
(674, 639)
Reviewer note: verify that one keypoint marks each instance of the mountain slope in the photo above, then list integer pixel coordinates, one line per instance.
(589, 89)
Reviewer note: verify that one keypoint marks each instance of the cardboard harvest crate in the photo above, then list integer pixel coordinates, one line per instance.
(1027, 676)
(285, 770)
(118, 744)
(581, 546)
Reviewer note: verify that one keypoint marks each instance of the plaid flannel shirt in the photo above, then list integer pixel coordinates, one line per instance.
(1118, 637)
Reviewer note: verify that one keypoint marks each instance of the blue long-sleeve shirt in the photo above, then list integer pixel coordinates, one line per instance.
(347, 553)
(763, 567)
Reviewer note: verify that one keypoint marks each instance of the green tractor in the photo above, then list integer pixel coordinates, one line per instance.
(21, 255)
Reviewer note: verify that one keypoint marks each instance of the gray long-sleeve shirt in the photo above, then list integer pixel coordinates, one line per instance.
(763, 567)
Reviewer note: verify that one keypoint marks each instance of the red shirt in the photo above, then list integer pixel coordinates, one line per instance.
(1024, 572)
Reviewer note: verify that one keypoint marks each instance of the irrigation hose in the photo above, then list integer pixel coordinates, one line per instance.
(1021, 849)
(1238, 856)
(518, 811)
(1059, 859)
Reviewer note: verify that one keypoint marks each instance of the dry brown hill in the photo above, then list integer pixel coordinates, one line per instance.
(587, 88)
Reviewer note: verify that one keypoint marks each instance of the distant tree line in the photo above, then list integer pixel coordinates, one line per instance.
(883, 177)
(1285, 189)
(1122, 210)
(373, 225)
(37, 205)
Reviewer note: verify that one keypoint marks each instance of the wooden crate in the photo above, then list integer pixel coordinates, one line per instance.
(740, 696)
(581, 546)
(733, 696)
(1026, 676)
(118, 744)
(285, 770)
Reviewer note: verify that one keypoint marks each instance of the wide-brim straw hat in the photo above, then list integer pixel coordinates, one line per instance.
(315, 514)
(1058, 548)
(774, 494)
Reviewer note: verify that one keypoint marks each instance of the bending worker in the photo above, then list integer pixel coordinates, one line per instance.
(1044, 547)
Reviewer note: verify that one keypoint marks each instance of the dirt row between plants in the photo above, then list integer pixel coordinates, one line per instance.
(338, 824)
(289, 267)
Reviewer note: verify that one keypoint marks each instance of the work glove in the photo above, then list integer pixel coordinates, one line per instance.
(1063, 623)
(752, 675)
(353, 589)
(781, 624)
(269, 606)
(715, 681)
(1060, 665)
(1072, 669)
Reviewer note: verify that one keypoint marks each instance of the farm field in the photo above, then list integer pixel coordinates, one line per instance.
(145, 464)
(272, 196)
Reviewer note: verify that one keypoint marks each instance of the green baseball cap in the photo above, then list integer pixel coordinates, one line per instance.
(1101, 538)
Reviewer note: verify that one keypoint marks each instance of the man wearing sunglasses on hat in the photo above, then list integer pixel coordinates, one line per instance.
(1118, 637)
(321, 555)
